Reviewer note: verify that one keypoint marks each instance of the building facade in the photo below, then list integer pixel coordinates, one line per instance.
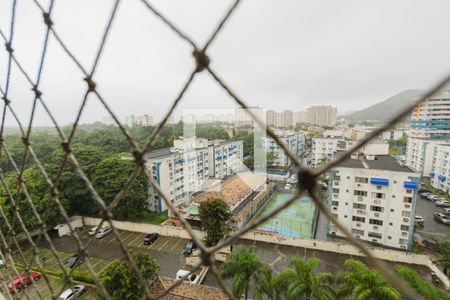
(420, 152)
(375, 197)
(431, 118)
(440, 168)
(183, 169)
(321, 115)
(295, 142)
(225, 158)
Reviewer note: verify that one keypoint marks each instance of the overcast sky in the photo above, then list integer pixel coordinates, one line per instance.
(275, 54)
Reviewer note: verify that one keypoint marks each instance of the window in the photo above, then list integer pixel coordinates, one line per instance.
(357, 231)
(375, 222)
(378, 195)
(337, 178)
(406, 214)
(335, 203)
(359, 206)
(404, 227)
(376, 208)
(403, 242)
(407, 199)
(375, 235)
(336, 191)
(358, 219)
(360, 193)
(361, 179)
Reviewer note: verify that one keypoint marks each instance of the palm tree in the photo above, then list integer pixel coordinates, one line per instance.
(242, 266)
(362, 283)
(421, 286)
(303, 282)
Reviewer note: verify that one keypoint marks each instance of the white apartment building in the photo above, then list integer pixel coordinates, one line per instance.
(431, 118)
(375, 197)
(280, 119)
(420, 152)
(324, 148)
(225, 158)
(295, 141)
(440, 169)
(391, 134)
(183, 170)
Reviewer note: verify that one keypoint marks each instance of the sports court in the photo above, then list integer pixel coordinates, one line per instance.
(295, 221)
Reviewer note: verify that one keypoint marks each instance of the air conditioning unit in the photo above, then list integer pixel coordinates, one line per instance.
(407, 206)
(360, 198)
(336, 182)
(404, 233)
(376, 214)
(357, 236)
(358, 184)
(358, 224)
(375, 227)
(406, 220)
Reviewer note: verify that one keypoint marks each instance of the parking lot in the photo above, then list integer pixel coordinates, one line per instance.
(168, 251)
(49, 262)
(431, 228)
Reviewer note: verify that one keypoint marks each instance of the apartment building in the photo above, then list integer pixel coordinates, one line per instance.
(325, 147)
(280, 119)
(321, 115)
(242, 117)
(375, 197)
(420, 152)
(295, 141)
(431, 118)
(440, 169)
(183, 169)
(225, 158)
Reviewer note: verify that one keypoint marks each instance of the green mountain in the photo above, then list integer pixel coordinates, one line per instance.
(386, 109)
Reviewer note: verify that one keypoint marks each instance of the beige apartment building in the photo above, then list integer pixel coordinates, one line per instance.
(321, 115)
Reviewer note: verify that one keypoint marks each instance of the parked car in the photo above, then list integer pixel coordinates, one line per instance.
(150, 238)
(419, 220)
(189, 247)
(425, 194)
(188, 276)
(447, 211)
(441, 218)
(433, 197)
(23, 281)
(93, 230)
(442, 203)
(422, 191)
(73, 261)
(74, 293)
(2, 263)
(103, 231)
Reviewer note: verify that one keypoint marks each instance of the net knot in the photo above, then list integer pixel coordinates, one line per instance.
(91, 84)
(66, 147)
(306, 180)
(6, 100)
(26, 141)
(201, 59)
(37, 92)
(47, 19)
(138, 157)
(206, 258)
(9, 47)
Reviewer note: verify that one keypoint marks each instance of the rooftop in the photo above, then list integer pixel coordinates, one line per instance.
(233, 189)
(380, 162)
(186, 290)
(160, 153)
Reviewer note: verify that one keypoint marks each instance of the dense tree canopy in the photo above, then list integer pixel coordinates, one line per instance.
(214, 214)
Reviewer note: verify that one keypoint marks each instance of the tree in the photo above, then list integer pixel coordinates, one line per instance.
(421, 286)
(109, 178)
(444, 247)
(271, 157)
(303, 282)
(121, 282)
(362, 283)
(242, 266)
(214, 214)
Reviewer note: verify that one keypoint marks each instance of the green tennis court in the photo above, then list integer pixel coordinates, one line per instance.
(295, 221)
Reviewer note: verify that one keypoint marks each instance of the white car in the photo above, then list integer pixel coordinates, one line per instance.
(418, 219)
(74, 293)
(2, 263)
(443, 203)
(442, 218)
(102, 232)
(433, 197)
(93, 230)
(189, 277)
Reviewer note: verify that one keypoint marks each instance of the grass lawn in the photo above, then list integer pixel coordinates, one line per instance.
(148, 217)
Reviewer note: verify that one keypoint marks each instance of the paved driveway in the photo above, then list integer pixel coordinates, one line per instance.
(432, 228)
